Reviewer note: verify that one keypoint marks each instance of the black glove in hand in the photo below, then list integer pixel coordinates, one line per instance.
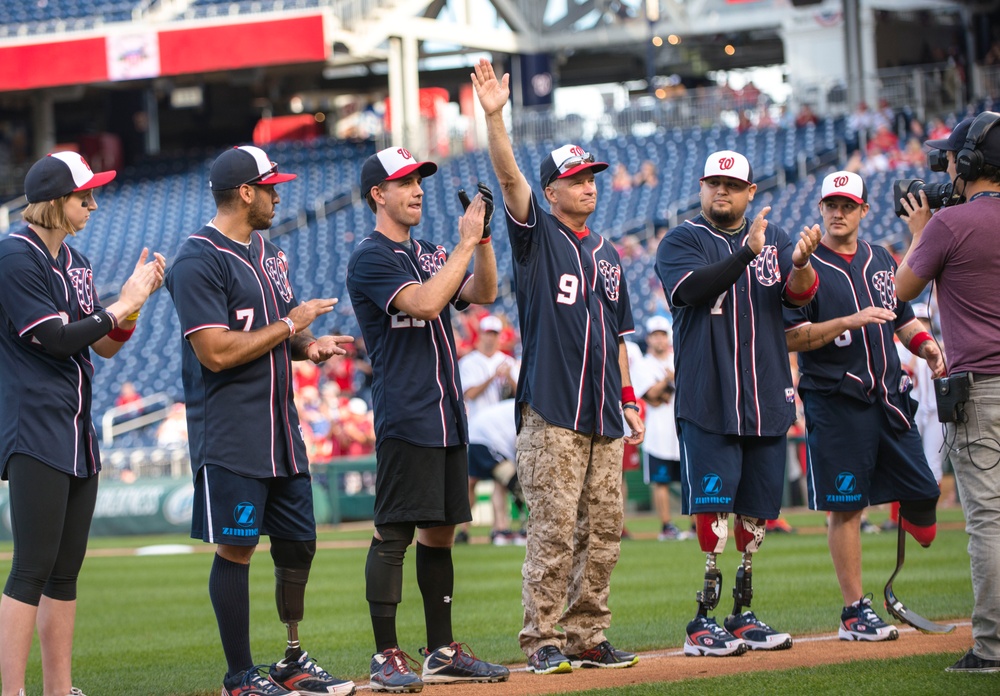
(488, 199)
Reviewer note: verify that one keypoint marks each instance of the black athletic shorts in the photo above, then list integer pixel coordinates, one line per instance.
(425, 485)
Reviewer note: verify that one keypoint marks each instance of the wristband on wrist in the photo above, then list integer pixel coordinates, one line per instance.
(631, 406)
(628, 395)
(802, 267)
(133, 316)
(486, 240)
(918, 340)
(795, 297)
(113, 318)
(121, 335)
(290, 324)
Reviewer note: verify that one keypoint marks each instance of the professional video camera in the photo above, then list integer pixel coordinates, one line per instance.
(938, 195)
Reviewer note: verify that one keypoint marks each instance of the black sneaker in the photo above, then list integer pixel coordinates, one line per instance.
(971, 662)
(605, 656)
(548, 660)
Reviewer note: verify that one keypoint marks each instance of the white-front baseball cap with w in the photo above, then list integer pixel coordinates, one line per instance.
(728, 163)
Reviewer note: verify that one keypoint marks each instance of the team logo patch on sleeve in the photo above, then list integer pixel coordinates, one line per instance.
(790, 395)
(83, 283)
(885, 283)
(766, 266)
(612, 278)
(277, 271)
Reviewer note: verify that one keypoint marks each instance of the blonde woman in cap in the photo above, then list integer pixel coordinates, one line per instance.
(52, 318)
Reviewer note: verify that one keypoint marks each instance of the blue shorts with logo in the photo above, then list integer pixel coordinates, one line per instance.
(662, 471)
(856, 459)
(236, 510)
(731, 473)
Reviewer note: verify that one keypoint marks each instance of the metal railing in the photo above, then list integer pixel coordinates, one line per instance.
(138, 414)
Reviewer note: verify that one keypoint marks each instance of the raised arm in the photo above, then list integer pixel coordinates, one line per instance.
(809, 336)
(493, 94)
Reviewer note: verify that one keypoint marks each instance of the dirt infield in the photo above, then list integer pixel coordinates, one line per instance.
(663, 666)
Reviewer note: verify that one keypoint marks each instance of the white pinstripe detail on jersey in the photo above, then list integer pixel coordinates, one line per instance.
(586, 333)
(200, 327)
(752, 277)
(267, 320)
(392, 297)
(286, 350)
(434, 342)
(604, 338)
(686, 464)
(812, 476)
(79, 371)
(44, 319)
(882, 342)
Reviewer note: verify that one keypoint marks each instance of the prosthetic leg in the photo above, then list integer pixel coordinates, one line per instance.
(704, 635)
(744, 625)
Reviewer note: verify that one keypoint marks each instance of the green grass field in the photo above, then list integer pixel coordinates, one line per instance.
(145, 624)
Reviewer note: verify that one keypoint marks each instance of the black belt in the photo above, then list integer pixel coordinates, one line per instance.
(978, 377)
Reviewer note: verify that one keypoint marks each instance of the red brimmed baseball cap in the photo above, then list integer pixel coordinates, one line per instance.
(567, 161)
(244, 164)
(60, 174)
(845, 184)
(390, 164)
(728, 163)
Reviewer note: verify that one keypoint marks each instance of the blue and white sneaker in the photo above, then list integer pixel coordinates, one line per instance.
(309, 679)
(860, 622)
(705, 637)
(253, 683)
(455, 663)
(755, 633)
(390, 671)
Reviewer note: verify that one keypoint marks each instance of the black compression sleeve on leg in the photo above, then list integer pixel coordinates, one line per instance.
(436, 578)
(384, 580)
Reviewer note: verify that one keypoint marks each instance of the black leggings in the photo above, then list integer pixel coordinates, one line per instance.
(50, 514)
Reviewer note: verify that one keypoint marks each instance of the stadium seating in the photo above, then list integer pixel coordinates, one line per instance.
(160, 203)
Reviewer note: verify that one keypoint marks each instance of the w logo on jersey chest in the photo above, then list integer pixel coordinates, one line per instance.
(612, 274)
(884, 283)
(766, 266)
(277, 271)
(83, 283)
(433, 261)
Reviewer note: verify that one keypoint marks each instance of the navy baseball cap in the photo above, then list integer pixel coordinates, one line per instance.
(567, 161)
(244, 164)
(956, 140)
(60, 174)
(390, 164)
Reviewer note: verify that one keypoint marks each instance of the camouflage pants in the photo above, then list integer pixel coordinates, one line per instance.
(572, 484)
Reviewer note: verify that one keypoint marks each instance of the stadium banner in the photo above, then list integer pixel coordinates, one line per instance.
(244, 45)
(125, 53)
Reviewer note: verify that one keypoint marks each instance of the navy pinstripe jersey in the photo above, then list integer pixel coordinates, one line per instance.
(241, 418)
(416, 387)
(45, 402)
(862, 363)
(572, 306)
(732, 372)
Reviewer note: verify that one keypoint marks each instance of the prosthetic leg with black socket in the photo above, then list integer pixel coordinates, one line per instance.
(744, 624)
(297, 672)
(704, 635)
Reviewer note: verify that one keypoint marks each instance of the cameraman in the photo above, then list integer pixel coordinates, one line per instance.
(957, 248)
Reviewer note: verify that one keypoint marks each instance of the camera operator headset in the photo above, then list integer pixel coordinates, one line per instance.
(958, 248)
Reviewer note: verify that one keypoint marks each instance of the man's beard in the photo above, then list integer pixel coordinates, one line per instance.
(258, 219)
(725, 219)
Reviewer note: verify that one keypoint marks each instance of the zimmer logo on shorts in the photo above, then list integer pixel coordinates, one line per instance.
(711, 485)
(245, 515)
(845, 483)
